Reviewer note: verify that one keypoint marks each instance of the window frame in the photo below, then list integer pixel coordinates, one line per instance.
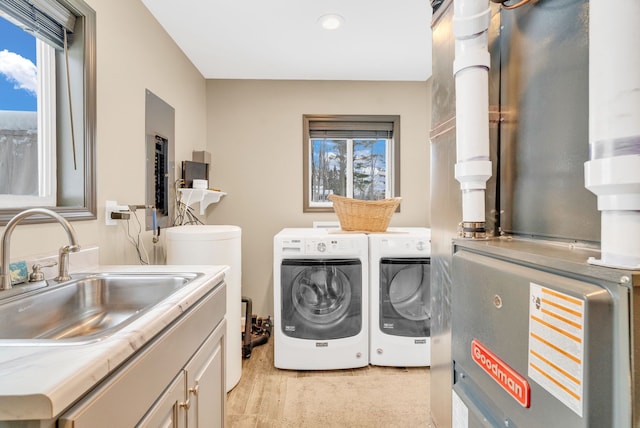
(84, 107)
(46, 125)
(393, 168)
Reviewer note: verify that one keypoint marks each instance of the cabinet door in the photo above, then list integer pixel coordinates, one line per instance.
(168, 411)
(206, 382)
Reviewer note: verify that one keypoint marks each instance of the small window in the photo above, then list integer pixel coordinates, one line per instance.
(348, 155)
(47, 108)
(27, 110)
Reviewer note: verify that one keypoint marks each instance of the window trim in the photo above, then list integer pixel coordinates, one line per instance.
(45, 58)
(306, 170)
(86, 122)
(47, 123)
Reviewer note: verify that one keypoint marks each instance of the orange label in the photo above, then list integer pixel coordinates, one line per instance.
(516, 385)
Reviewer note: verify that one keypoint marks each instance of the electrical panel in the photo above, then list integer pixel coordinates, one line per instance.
(160, 165)
(159, 181)
(161, 175)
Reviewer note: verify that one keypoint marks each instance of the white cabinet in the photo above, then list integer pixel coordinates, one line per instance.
(166, 411)
(204, 375)
(176, 380)
(195, 398)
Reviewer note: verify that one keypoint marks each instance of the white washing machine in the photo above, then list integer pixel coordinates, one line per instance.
(320, 299)
(399, 296)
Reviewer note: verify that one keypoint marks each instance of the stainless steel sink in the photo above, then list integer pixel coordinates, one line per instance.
(87, 308)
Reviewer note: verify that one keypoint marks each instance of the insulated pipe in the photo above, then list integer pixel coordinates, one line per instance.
(471, 20)
(613, 169)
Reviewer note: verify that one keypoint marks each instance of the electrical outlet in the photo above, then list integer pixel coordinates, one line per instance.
(110, 207)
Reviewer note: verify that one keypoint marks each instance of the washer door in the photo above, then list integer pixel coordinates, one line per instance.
(321, 299)
(405, 294)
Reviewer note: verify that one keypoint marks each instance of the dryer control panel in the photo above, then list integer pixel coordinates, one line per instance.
(395, 245)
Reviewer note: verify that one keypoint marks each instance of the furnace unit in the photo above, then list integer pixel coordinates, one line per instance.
(544, 340)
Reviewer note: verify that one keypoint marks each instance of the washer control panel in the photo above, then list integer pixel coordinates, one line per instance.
(322, 246)
(330, 245)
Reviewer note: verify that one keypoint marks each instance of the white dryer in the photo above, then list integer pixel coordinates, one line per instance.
(399, 295)
(320, 299)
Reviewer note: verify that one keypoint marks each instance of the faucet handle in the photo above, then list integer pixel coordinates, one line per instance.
(63, 261)
(36, 274)
(69, 249)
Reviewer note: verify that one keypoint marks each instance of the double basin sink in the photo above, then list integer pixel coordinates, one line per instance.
(87, 308)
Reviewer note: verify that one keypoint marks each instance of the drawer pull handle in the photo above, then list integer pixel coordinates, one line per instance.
(186, 404)
(194, 390)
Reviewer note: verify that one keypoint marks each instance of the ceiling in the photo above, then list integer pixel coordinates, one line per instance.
(282, 39)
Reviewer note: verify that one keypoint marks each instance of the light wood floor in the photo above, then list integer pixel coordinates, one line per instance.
(258, 399)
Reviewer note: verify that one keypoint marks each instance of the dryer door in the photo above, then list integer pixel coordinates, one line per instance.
(321, 298)
(405, 294)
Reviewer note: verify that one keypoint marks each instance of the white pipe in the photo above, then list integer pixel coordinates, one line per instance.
(471, 69)
(613, 171)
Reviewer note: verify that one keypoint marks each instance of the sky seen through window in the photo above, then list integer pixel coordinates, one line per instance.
(18, 70)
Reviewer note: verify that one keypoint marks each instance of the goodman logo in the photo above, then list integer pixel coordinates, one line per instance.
(507, 378)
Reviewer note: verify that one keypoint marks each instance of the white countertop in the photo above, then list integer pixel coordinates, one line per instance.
(39, 382)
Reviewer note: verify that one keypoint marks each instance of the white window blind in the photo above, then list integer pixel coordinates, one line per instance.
(350, 129)
(46, 19)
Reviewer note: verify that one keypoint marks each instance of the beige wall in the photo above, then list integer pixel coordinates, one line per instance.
(133, 54)
(252, 128)
(254, 133)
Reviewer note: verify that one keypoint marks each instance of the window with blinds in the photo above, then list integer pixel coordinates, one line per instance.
(47, 115)
(350, 155)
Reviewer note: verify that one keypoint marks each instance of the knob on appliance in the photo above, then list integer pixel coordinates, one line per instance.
(322, 247)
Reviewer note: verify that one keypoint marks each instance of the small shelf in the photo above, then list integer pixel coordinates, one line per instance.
(204, 196)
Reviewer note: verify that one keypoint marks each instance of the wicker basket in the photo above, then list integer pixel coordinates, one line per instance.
(364, 216)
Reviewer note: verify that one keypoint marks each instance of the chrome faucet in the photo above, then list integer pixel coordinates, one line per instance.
(63, 262)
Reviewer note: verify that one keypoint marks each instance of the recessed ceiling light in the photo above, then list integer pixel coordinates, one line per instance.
(331, 21)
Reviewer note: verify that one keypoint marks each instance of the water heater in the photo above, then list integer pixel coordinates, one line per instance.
(215, 245)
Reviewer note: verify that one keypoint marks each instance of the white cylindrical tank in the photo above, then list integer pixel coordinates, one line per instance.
(215, 245)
